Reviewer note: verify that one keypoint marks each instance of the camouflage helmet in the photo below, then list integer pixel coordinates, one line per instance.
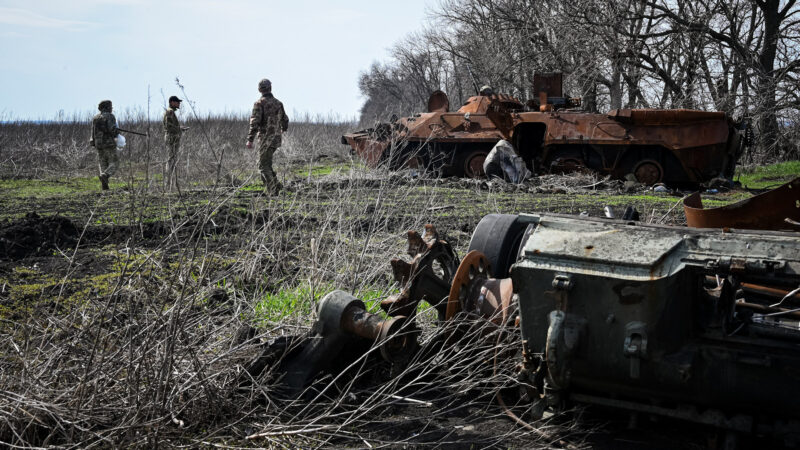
(264, 85)
(486, 90)
(104, 105)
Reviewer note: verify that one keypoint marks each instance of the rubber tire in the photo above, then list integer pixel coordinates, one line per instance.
(498, 236)
(467, 158)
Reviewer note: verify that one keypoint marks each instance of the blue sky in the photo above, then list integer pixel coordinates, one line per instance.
(67, 55)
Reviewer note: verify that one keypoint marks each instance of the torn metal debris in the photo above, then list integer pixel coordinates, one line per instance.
(693, 324)
(778, 209)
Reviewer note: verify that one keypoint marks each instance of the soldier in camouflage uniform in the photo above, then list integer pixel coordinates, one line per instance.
(104, 133)
(268, 120)
(172, 139)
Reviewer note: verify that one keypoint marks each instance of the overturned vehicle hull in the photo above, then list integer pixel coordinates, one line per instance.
(671, 146)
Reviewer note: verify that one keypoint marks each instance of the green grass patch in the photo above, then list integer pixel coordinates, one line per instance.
(300, 300)
(49, 188)
(771, 176)
(323, 169)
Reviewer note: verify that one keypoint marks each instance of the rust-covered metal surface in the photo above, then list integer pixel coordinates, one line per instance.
(693, 324)
(451, 142)
(778, 209)
(674, 146)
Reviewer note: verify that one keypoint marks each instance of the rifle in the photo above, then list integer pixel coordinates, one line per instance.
(132, 132)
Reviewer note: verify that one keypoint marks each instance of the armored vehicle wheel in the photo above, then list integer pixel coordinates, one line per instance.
(648, 172)
(498, 236)
(468, 162)
(473, 164)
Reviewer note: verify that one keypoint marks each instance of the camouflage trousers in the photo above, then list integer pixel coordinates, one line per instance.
(107, 160)
(173, 144)
(266, 150)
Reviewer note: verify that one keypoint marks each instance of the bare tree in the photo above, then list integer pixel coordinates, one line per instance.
(738, 56)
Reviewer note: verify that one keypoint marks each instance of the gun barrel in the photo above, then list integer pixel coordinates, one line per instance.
(132, 132)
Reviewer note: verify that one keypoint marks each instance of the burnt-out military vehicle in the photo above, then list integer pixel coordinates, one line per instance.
(695, 324)
(452, 143)
(677, 146)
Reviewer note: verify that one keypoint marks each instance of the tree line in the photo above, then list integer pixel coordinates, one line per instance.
(737, 56)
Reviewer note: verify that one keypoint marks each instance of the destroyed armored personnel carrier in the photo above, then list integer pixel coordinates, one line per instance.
(453, 143)
(681, 147)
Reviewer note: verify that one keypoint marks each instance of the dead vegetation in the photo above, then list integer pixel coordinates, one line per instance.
(135, 325)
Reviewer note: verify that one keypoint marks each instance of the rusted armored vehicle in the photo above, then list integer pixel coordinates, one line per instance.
(673, 146)
(453, 143)
(679, 146)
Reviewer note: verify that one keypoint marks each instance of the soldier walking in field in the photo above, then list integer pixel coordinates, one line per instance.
(269, 121)
(104, 134)
(172, 138)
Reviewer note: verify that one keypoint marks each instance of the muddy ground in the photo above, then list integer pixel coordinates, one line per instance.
(232, 251)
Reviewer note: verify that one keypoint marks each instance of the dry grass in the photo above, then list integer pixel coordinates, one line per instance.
(154, 353)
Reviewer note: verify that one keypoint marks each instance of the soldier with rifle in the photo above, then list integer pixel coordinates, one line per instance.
(104, 139)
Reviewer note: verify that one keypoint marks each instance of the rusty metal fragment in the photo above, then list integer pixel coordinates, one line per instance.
(473, 291)
(688, 323)
(778, 209)
(344, 331)
(426, 278)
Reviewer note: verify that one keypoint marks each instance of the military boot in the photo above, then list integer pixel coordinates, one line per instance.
(104, 182)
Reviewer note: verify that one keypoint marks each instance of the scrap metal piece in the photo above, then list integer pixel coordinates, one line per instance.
(475, 292)
(396, 345)
(778, 209)
(662, 315)
(426, 278)
(343, 322)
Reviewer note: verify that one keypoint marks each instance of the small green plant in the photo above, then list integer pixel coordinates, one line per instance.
(298, 300)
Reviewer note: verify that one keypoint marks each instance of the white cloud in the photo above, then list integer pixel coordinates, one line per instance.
(26, 18)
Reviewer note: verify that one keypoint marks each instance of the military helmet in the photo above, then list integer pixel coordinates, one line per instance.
(264, 85)
(104, 105)
(486, 90)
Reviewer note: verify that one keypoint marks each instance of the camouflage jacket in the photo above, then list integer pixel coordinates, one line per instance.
(104, 130)
(268, 120)
(172, 128)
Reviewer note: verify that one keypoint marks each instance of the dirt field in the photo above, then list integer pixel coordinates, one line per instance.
(127, 317)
